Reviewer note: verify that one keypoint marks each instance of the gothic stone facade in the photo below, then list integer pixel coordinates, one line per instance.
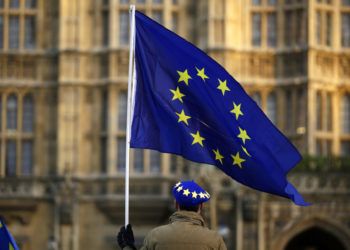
(63, 75)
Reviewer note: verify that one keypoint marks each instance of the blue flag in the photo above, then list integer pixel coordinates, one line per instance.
(187, 104)
(6, 240)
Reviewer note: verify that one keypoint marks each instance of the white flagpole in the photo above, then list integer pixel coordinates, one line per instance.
(131, 81)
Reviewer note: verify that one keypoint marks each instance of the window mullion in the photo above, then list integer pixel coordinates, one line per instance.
(324, 28)
(263, 42)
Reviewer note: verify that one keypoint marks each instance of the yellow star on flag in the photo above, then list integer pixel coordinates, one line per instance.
(194, 194)
(245, 151)
(186, 192)
(179, 189)
(236, 110)
(184, 76)
(177, 95)
(237, 160)
(197, 138)
(11, 247)
(183, 117)
(201, 195)
(223, 86)
(218, 156)
(201, 74)
(243, 135)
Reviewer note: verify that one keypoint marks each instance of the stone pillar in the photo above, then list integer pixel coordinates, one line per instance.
(213, 210)
(67, 213)
(261, 222)
(239, 221)
(311, 120)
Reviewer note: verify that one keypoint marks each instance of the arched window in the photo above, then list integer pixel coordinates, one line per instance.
(345, 148)
(328, 110)
(103, 155)
(173, 163)
(27, 157)
(288, 111)
(121, 121)
(104, 111)
(345, 118)
(11, 157)
(318, 111)
(301, 114)
(11, 112)
(28, 113)
(104, 128)
(256, 29)
(105, 23)
(121, 154)
(123, 28)
(154, 161)
(307, 240)
(157, 16)
(272, 29)
(122, 109)
(272, 107)
(138, 160)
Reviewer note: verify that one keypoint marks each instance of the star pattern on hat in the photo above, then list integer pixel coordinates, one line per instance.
(194, 194)
(189, 193)
(186, 192)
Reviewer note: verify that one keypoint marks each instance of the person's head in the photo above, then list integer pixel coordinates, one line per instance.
(194, 208)
(189, 196)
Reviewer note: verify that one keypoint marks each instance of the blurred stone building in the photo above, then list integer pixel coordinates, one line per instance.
(63, 80)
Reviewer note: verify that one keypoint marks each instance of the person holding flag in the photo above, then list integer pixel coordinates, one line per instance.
(186, 228)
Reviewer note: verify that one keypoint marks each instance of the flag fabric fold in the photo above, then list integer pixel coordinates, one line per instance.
(189, 105)
(6, 240)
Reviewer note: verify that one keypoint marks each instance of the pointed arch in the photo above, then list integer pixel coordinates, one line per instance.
(11, 112)
(28, 113)
(290, 231)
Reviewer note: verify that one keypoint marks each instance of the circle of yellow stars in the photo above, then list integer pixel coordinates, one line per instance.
(237, 159)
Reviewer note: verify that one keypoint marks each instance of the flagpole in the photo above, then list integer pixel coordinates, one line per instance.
(131, 80)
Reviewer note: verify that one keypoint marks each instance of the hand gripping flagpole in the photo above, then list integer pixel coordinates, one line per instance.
(131, 93)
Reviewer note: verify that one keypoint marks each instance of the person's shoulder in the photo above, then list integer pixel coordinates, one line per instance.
(156, 235)
(158, 230)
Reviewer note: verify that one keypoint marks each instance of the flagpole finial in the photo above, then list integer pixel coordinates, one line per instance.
(132, 8)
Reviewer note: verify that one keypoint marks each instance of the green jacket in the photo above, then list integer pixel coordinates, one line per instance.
(186, 230)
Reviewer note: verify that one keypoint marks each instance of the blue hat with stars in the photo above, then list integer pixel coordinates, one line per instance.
(189, 193)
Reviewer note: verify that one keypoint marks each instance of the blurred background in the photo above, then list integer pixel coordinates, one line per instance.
(63, 89)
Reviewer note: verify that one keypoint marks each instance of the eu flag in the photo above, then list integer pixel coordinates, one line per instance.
(187, 104)
(6, 240)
